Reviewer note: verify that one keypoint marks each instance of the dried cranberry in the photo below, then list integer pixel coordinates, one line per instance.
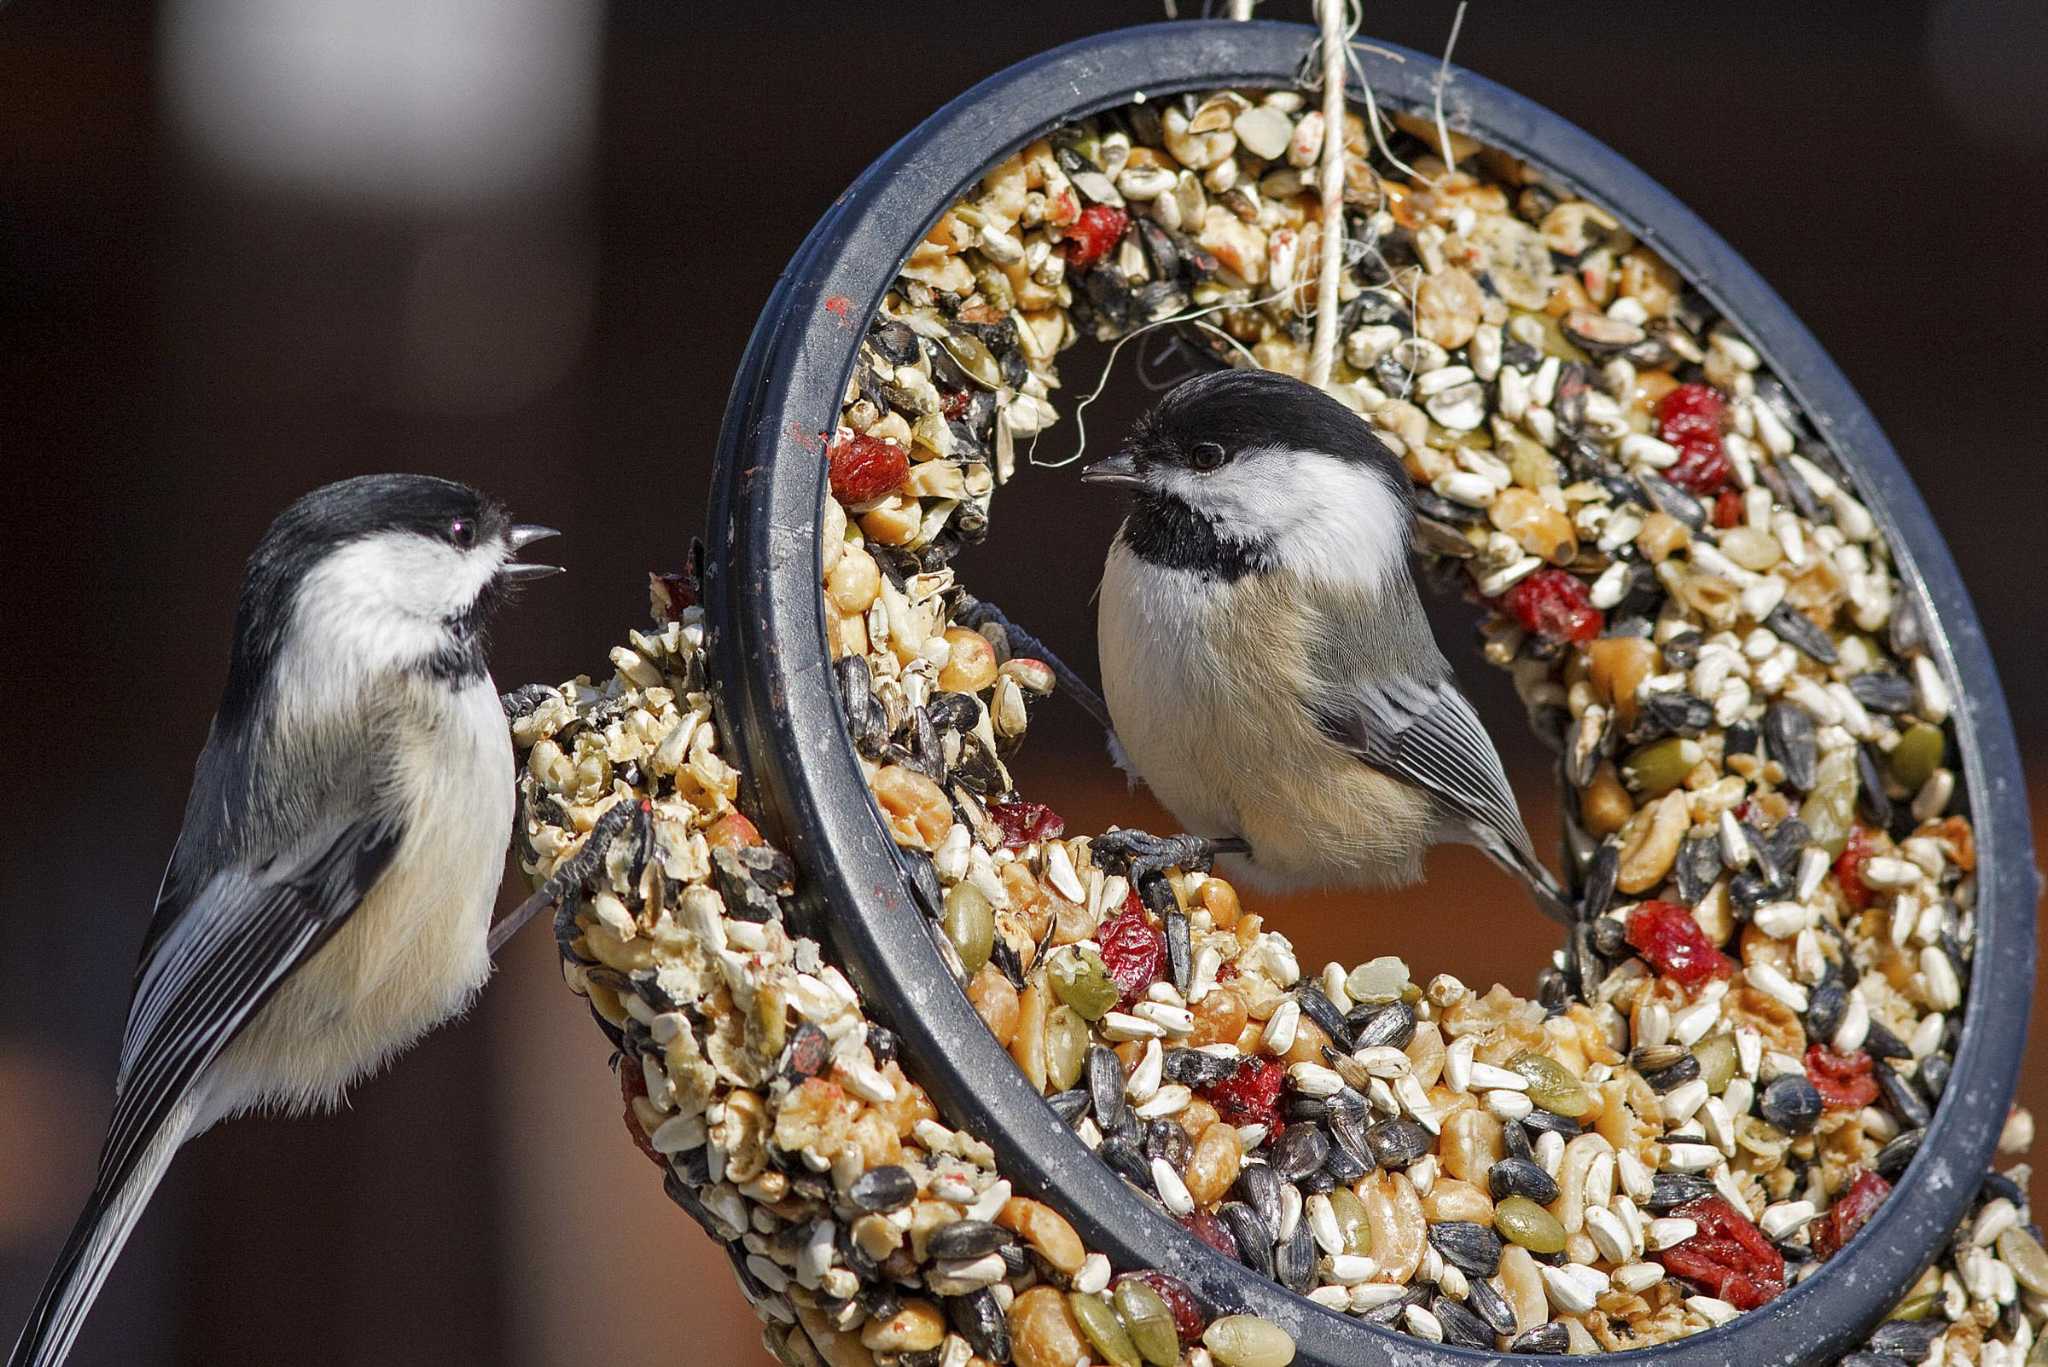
(1729, 1256)
(1188, 1319)
(633, 1086)
(1862, 843)
(953, 402)
(1727, 509)
(1210, 1231)
(1553, 603)
(1843, 1080)
(1850, 1212)
(1094, 233)
(1023, 822)
(1251, 1095)
(864, 468)
(1690, 418)
(1671, 941)
(1132, 951)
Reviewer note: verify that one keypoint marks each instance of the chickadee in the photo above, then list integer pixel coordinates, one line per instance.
(1265, 658)
(329, 897)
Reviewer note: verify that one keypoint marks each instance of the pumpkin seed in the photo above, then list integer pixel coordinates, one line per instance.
(1528, 1224)
(1103, 1329)
(1551, 1084)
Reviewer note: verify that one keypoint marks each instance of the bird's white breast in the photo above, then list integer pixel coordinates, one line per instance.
(414, 953)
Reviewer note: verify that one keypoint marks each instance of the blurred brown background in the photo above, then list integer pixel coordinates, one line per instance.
(248, 246)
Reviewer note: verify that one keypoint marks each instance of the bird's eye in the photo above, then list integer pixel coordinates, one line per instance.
(1205, 455)
(462, 532)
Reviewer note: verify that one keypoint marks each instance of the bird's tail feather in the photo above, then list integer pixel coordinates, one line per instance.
(103, 1227)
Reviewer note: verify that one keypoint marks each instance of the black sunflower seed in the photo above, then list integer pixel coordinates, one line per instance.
(1294, 1261)
(967, 1239)
(1677, 1074)
(1258, 1187)
(1797, 630)
(977, 1318)
(1906, 1340)
(1546, 1340)
(1899, 1096)
(1253, 1237)
(1882, 690)
(1788, 731)
(1540, 1119)
(1196, 1069)
(1123, 1157)
(883, 1189)
(1106, 1086)
(1179, 952)
(1672, 714)
(1791, 1103)
(1319, 1009)
(1069, 1105)
(1892, 1159)
(1300, 1151)
(1470, 1247)
(1460, 1325)
(1670, 1190)
(1396, 1143)
(1512, 1176)
(1491, 1307)
(1880, 1042)
(1164, 1138)
(1699, 864)
(1932, 1076)
(1392, 1025)
(1824, 1010)
(1872, 802)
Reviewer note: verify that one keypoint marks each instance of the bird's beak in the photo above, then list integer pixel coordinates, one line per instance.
(1119, 471)
(519, 538)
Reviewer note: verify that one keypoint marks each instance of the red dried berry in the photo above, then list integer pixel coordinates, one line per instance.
(1862, 843)
(1850, 1212)
(1023, 822)
(1553, 603)
(1099, 228)
(953, 402)
(1132, 951)
(1727, 509)
(1188, 1319)
(1690, 417)
(1251, 1095)
(1843, 1080)
(633, 1086)
(1671, 941)
(1210, 1231)
(864, 468)
(1729, 1256)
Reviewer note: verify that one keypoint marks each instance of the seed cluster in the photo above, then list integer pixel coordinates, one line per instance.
(1716, 1082)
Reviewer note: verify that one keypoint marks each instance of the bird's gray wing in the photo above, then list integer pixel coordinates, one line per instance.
(1424, 733)
(215, 959)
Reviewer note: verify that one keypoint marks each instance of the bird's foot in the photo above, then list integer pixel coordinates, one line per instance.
(976, 613)
(578, 868)
(1139, 855)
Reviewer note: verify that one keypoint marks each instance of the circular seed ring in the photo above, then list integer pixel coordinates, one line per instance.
(780, 705)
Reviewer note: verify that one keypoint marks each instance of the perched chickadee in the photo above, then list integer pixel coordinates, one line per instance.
(1265, 658)
(329, 897)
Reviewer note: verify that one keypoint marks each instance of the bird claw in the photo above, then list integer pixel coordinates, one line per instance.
(1139, 855)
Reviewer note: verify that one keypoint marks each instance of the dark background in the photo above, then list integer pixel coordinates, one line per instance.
(522, 243)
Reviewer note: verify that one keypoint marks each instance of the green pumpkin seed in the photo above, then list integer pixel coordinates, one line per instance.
(1080, 980)
(1066, 1047)
(2023, 1254)
(1917, 1308)
(1377, 981)
(1830, 812)
(1248, 1341)
(1551, 1084)
(1352, 1223)
(1149, 1320)
(1917, 755)
(1717, 1062)
(970, 925)
(1103, 1329)
(1528, 1224)
(1657, 768)
(974, 357)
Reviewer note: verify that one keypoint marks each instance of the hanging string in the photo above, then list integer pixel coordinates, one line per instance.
(1323, 354)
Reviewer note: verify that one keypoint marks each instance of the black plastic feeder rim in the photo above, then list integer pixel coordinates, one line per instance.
(780, 707)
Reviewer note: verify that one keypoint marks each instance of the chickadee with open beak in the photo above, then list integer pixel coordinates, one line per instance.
(330, 895)
(1265, 658)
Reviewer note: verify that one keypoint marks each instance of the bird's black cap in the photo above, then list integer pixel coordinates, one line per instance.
(1241, 409)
